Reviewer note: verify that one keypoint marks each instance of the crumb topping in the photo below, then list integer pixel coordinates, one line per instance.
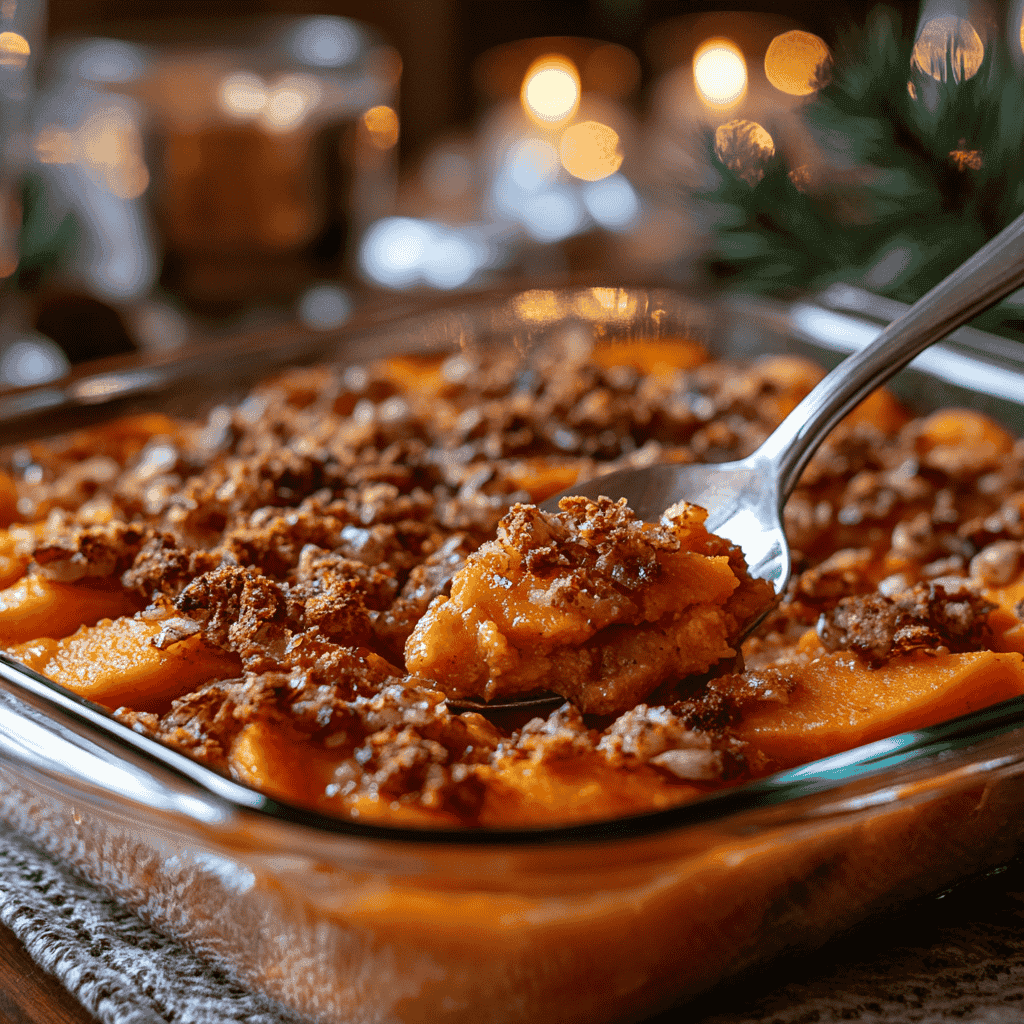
(367, 540)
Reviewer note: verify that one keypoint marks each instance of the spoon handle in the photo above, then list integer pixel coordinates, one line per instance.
(994, 271)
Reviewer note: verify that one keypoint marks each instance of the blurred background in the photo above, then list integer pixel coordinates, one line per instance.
(176, 170)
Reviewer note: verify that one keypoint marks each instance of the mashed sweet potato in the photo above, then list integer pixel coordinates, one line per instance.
(589, 602)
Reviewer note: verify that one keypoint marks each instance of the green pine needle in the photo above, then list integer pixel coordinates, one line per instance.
(896, 212)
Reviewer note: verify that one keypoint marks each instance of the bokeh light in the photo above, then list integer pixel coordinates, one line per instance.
(382, 125)
(32, 359)
(590, 150)
(242, 95)
(552, 215)
(326, 42)
(107, 61)
(403, 252)
(532, 164)
(612, 202)
(14, 50)
(744, 147)
(551, 89)
(797, 63)
(949, 38)
(720, 72)
(324, 306)
(290, 101)
(109, 144)
(393, 250)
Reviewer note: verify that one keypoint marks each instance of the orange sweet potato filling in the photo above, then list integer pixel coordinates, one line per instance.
(13, 562)
(826, 702)
(129, 660)
(8, 500)
(36, 607)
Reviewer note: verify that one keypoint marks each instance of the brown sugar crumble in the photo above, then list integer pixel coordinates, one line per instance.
(346, 550)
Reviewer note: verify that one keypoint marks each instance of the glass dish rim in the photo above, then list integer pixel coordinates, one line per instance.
(825, 775)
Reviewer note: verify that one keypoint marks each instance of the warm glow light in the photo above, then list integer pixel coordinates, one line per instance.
(590, 151)
(744, 147)
(966, 159)
(242, 95)
(797, 63)
(720, 73)
(537, 305)
(54, 145)
(290, 101)
(607, 304)
(950, 37)
(551, 89)
(382, 124)
(14, 50)
(109, 143)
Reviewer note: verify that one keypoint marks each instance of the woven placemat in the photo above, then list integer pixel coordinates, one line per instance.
(112, 962)
(958, 956)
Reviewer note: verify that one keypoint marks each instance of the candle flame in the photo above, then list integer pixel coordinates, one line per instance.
(551, 89)
(720, 73)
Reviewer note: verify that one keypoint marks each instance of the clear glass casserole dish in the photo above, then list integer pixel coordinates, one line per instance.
(605, 921)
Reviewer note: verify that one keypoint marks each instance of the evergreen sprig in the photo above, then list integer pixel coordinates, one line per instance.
(892, 210)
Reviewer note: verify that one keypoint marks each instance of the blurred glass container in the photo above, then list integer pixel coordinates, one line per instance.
(232, 162)
(25, 357)
(540, 189)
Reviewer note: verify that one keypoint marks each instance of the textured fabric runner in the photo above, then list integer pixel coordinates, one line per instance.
(956, 957)
(114, 964)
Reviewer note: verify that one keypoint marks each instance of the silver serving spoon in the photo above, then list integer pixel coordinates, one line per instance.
(745, 498)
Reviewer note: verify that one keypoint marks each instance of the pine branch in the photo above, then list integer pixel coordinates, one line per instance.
(920, 173)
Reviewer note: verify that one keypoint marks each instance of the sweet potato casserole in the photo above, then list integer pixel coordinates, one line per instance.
(304, 590)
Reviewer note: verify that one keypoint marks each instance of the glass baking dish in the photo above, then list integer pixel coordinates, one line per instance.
(605, 921)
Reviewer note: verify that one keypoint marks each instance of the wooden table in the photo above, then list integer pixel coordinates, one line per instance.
(28, 995)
